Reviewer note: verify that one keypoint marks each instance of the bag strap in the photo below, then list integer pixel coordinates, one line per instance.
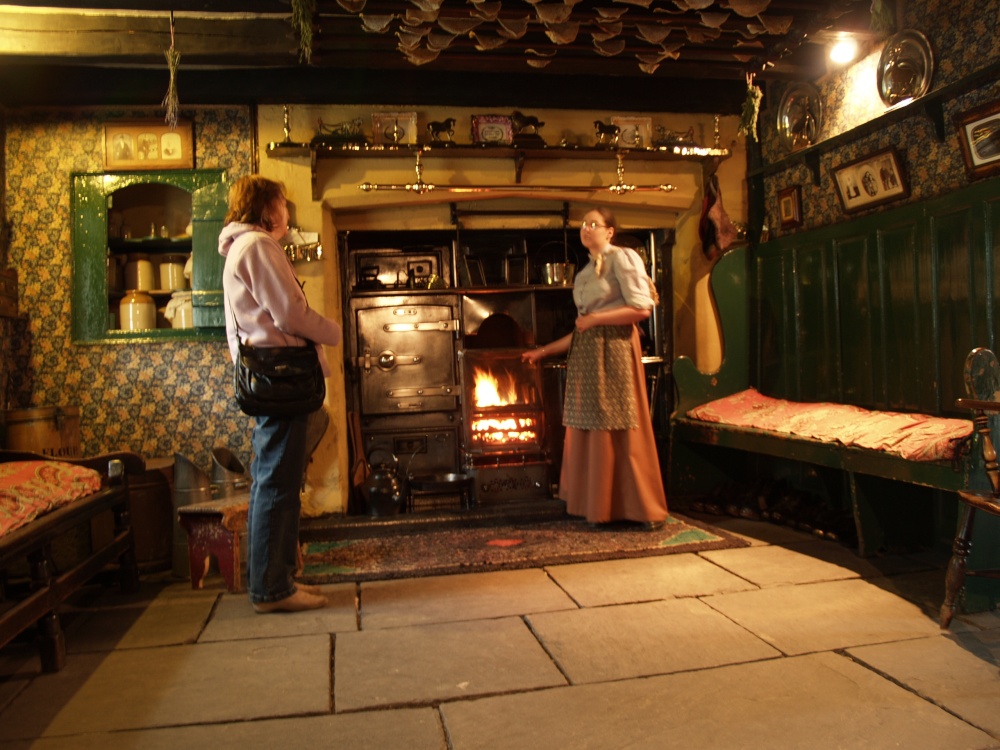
(236, 325)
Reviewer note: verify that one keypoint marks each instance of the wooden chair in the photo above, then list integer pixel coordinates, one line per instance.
(982, 383)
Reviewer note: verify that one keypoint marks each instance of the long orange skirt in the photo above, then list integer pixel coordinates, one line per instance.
(612, 475)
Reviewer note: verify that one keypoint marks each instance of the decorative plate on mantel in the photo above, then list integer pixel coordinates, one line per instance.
(905, 68)
(800, 116)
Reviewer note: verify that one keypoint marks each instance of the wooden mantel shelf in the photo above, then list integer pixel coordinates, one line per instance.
(707, 158)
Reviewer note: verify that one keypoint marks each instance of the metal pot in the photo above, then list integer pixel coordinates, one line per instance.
(384, 491)
(560, 274)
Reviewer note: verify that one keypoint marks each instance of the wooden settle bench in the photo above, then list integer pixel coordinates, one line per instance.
(878, 312)
(32, 484)
(697, 464)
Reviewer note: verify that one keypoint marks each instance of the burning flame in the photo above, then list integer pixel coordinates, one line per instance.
(493, 392)
(490, 392)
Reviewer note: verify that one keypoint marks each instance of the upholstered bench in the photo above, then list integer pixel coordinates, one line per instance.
(718, 413)
(41, 500)
(912, 448)
(213, 530)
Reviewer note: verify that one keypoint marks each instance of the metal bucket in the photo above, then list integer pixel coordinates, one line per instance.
(560, 274)
(229, 476)
(51, 430)
(191, 485)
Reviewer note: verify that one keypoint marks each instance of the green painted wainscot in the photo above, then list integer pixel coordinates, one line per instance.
(881, 312)
(115, 214)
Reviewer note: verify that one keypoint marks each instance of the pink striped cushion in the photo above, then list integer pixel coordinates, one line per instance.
(29, 489)
(916, 437)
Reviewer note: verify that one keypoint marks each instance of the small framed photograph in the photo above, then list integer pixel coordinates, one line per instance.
(634, 132)
(979, 134)
(515, 270)
(140, 144)
(394, 128)
(492, 129)
(870, 181)
(790, 207)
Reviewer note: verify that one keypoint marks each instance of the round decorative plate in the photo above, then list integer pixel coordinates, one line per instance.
(800, 116)
(905, 68)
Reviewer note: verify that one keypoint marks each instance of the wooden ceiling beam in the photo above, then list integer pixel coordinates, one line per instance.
(130, 38)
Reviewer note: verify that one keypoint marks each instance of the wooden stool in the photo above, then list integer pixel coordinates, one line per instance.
(213, 529)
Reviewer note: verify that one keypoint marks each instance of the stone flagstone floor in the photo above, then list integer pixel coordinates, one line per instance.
(788, 643)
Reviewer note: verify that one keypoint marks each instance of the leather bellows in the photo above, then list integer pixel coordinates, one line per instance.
(278, 381)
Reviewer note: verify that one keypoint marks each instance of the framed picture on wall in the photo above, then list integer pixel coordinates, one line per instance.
(790, 207)
(870, 181)
(979, 134)
(634, 132)
(140, 144)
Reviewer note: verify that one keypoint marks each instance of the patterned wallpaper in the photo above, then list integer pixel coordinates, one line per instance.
(964, 38)
(154, 399)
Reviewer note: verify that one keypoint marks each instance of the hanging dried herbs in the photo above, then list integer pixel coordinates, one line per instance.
(751, 108)
(171, 102)
(302, 15)
(883, 18)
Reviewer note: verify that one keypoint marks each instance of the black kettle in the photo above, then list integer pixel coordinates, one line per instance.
(384, 491)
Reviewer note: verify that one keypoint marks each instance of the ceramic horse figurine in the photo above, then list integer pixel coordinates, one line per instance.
(606, 133)
(444, 127)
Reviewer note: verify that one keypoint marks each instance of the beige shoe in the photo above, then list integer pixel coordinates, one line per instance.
(297, 602)
(308, 588)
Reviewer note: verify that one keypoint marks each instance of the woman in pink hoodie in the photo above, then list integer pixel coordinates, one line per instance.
(265, 306)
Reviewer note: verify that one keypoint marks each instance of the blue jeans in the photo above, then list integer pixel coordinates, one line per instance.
(279, 446)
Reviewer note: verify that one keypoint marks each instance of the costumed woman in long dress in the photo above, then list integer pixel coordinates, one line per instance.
(610, 469)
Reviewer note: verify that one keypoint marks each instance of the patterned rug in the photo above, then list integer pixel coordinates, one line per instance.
(486, 548)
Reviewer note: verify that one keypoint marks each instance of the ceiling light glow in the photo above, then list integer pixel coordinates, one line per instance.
(844, 51)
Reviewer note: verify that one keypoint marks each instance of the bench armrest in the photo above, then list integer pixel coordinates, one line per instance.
(730, 296)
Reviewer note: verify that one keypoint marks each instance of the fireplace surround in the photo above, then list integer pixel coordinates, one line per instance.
(414, 350)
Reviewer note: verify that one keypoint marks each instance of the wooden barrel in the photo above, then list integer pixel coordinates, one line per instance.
(151, 503)
(51, 430)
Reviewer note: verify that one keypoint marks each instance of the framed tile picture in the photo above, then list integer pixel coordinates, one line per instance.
(142, 144)
(790, 207)
(495, 130)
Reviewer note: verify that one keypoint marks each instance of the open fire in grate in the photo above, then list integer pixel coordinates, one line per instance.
(502, 402)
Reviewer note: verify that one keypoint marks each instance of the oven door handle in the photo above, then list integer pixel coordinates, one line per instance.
(386, 360)
(431, 326)
(423, 390)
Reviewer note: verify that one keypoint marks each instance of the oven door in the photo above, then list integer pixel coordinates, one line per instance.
(406, 359)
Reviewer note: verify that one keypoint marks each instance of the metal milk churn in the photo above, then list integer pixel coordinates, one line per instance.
(383, 489)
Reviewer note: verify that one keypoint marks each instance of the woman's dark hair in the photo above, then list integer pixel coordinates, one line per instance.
(607, 217)
(251, 200)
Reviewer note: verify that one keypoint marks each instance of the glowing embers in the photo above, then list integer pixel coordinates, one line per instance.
(504, 432)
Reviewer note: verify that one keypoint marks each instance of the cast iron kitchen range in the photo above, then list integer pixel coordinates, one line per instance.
(433, 366)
